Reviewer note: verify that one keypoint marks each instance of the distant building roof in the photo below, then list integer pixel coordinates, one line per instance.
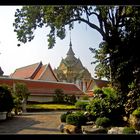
(40, 87)
(26, 72)
(98, 83)
(34, 71)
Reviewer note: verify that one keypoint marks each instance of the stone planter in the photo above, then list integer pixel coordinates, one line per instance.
(3, 115)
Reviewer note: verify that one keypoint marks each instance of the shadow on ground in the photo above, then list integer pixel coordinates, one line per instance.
(16, 124)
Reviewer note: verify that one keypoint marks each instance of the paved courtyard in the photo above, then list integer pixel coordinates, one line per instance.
(32, 123)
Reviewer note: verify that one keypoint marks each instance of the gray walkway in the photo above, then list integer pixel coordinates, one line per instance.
(32, 123)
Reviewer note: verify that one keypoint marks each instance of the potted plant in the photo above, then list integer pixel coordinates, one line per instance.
(6, 101)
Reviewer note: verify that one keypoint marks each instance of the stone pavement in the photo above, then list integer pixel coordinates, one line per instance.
(33, 123)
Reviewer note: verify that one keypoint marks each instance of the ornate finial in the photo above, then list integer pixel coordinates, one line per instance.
(70, 40)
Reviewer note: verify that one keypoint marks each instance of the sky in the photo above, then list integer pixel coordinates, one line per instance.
(13, 57)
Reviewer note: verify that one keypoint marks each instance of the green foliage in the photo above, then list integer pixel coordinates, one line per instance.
(21, 91)
(128, 130)
(132, 100)
(107, 105)
(72, 99)
(64, 115)
(110, 92)
(118, 25)
(132, 85)
(90, 116)
(85, 97)
(104, 121)
(6, 99)
(136, 112)
(95, 106)
(77, 119)
(102, 68)
(60, 97)
(98, 92)
(20, 95)
(81, 105)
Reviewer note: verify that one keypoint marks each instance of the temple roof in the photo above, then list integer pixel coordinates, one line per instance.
(97, 82)
(34, 71)
(41, 87)
(26, 72)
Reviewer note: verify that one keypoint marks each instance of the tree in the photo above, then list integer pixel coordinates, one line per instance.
(6, 99)
(118, 26)
(102, 69)
(59, 96)
(21, 94)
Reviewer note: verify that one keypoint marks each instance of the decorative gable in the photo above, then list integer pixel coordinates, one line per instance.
(48, 74)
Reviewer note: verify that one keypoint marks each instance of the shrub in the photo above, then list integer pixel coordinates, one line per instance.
(106, 103)
(85, 97)
(64, 115)
(6, 99)
(128, 130)
(72, 99)
(90, 116)
(77, 119)
(136, 112)
(96, 106)
(81, 105)
(103, 121)
(59, 96)
(110, 92)
(98, 92)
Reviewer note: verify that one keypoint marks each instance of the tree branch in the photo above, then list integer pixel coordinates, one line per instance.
(90, 24)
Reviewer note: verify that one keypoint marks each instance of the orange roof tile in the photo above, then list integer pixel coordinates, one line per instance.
(44, 87)
(37, 76)
(26, 72)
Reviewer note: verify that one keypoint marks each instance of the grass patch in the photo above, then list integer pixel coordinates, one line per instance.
(51, 106)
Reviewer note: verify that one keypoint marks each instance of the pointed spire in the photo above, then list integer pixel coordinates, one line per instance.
(70, 51)
(70, 40)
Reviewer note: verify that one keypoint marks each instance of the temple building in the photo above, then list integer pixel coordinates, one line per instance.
(71, 70)
(42, 81)
(36, 71)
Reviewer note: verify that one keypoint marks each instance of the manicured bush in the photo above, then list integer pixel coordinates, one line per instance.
(106, 103)
(103, 121)
(81, 105)
(90, 116)
(64, 115)
(96, 106)
(128, 130)
(77, 119)
(136, 112)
